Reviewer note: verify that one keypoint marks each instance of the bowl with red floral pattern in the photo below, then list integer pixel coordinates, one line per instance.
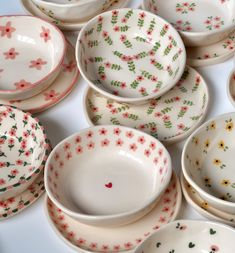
(190, 236)
(130, 55)
(107, 175)
(23, 148)
(207, 162)
(31, 56)
(200, 23)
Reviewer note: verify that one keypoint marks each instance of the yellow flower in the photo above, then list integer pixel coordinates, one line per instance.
(212, 125)
(204, 205)
(225, 182)
(207, 143)
(229, 126)
(221, 144)
(217, 161)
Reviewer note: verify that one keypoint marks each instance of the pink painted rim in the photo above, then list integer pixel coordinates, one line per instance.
(57, 67)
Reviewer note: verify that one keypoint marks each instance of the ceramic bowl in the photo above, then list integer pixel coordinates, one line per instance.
(190, 236)
(99, 191)
(231, 87)
(130, 55)
(207, 162)
(199, 22)
(34, 56)
(75, 11)
(23, 147)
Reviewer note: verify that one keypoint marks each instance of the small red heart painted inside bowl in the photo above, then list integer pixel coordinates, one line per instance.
(109, 185)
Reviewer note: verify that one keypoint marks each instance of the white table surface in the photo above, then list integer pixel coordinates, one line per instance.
(29, 231)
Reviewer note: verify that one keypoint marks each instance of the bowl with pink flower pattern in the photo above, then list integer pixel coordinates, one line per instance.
(107, 175)
(32, 54)
(130, 55)
(190, 236)
(23, 148)
(208, 162)
(200, 23)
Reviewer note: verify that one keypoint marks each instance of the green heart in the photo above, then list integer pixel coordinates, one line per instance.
(158, 244)
(212, 232)
(191, 245)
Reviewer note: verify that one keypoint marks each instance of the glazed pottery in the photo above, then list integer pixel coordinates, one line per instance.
(130, 55)
(200, 23)
(23, 147)
(231, 87)
(190, 236)
(82, 237)
(34, 55)
(169, 118)
(202, 207)
(212, 54)
(207, 162)
(56, 92)
(73, 12)
(98, 191)
(32, 9)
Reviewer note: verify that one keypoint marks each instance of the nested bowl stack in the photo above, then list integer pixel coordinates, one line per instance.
(107, 175)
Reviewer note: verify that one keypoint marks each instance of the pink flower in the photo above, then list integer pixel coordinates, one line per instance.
(214, 248)
(78, 139)
(184, 108)
(124, 20)
(141, 139)
(152, 145)
(181, 126)
(89, 134)
(139, 78)
(103, 131)
(105, 34)
(114, 12)
(129, 134)
(147, 152)
(125, 115)
(117, 131)
(133, 147)
(67, 146)
(100, 19)
(14, 172)
(69, 67)
(22, 84)
(142, 15)
(116, 28)
(11, 54)
(51, 95)
(105, 143)
(2, 164)
(79, 150)
(19, 162)
(37, 64)
(7, 30)
(91, 145)
(45, 34)
(107, 64)
(123, 85)
(142, 90)
(123, 37)
(119, 142)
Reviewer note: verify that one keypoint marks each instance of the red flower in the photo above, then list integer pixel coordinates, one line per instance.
(105, 34)
(105, 143)
(2, 141)
(7, 30)
(11, 54)
(116, 28)
(123, 85)
(22, 84)
(142, 15)
(124, 20)
(2, 164)
(125, 115)
(78, 139)
(61, 164)
(37, 64)
(114, 111)
(100, 19)
(147, 152)
(141, 139)
(129, 134)
(2, 181)
(93, 245)
(91, 145)
(103, 131)
(14, 172)
(152, 145)
(117, 131)
(67, 146)
(19, 162)
(160, 152)
(89, 134)
(184, 108)
(128, 245)
(181, 126)
(69, 67)
(68, 155)
(214, 248)
(107, 64)
(162, 219)
(115, 12)
(51, 95)
(139, 78)
(12, 132)
(142, 90)
(157, 114)
(45, 34)
(79, 150)
(119, 142)
(133, 147)
(123, 37)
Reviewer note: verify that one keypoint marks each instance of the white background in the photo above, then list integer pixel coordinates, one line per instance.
(29, 231)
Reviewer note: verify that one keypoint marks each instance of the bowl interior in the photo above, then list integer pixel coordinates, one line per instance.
(32, 53)
(190, 236)
(196, 15)
(208, 158)
(130, 53)
(128, 169)
(22, 146)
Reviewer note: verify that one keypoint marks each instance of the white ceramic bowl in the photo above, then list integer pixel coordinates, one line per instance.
(31, 58)
(188, 236)
(23, 148)
(75, 11)
(207, 162)
(130, 55)
(199, 22)
(107, 175)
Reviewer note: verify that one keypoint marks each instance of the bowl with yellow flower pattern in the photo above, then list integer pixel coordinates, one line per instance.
(208, 162)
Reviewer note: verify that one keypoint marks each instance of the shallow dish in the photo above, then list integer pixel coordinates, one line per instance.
(36, 54)
(194, 199)
(130, 55)
(78, 11)
(207, 162)
(32, 9)
(200, 23)
(57, 91)
(99, 190)
(212, 54)
(23, 147)
(190, 236)
(98, 239)
(170, 118)
(231, 87)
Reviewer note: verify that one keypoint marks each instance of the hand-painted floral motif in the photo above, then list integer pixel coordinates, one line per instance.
(214, 23)
(7, 30)
(22, 84)
(185, 7)
(37, 64)
(181, 25)
(45, 34)
(11, 54)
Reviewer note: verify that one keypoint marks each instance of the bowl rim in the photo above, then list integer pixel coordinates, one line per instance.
(201, 34)
(57, 66)
(172, 224)
(134, 99)
(188, 178)
(228, 87)
(36, 171)
(88, 217)
(67, 5)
